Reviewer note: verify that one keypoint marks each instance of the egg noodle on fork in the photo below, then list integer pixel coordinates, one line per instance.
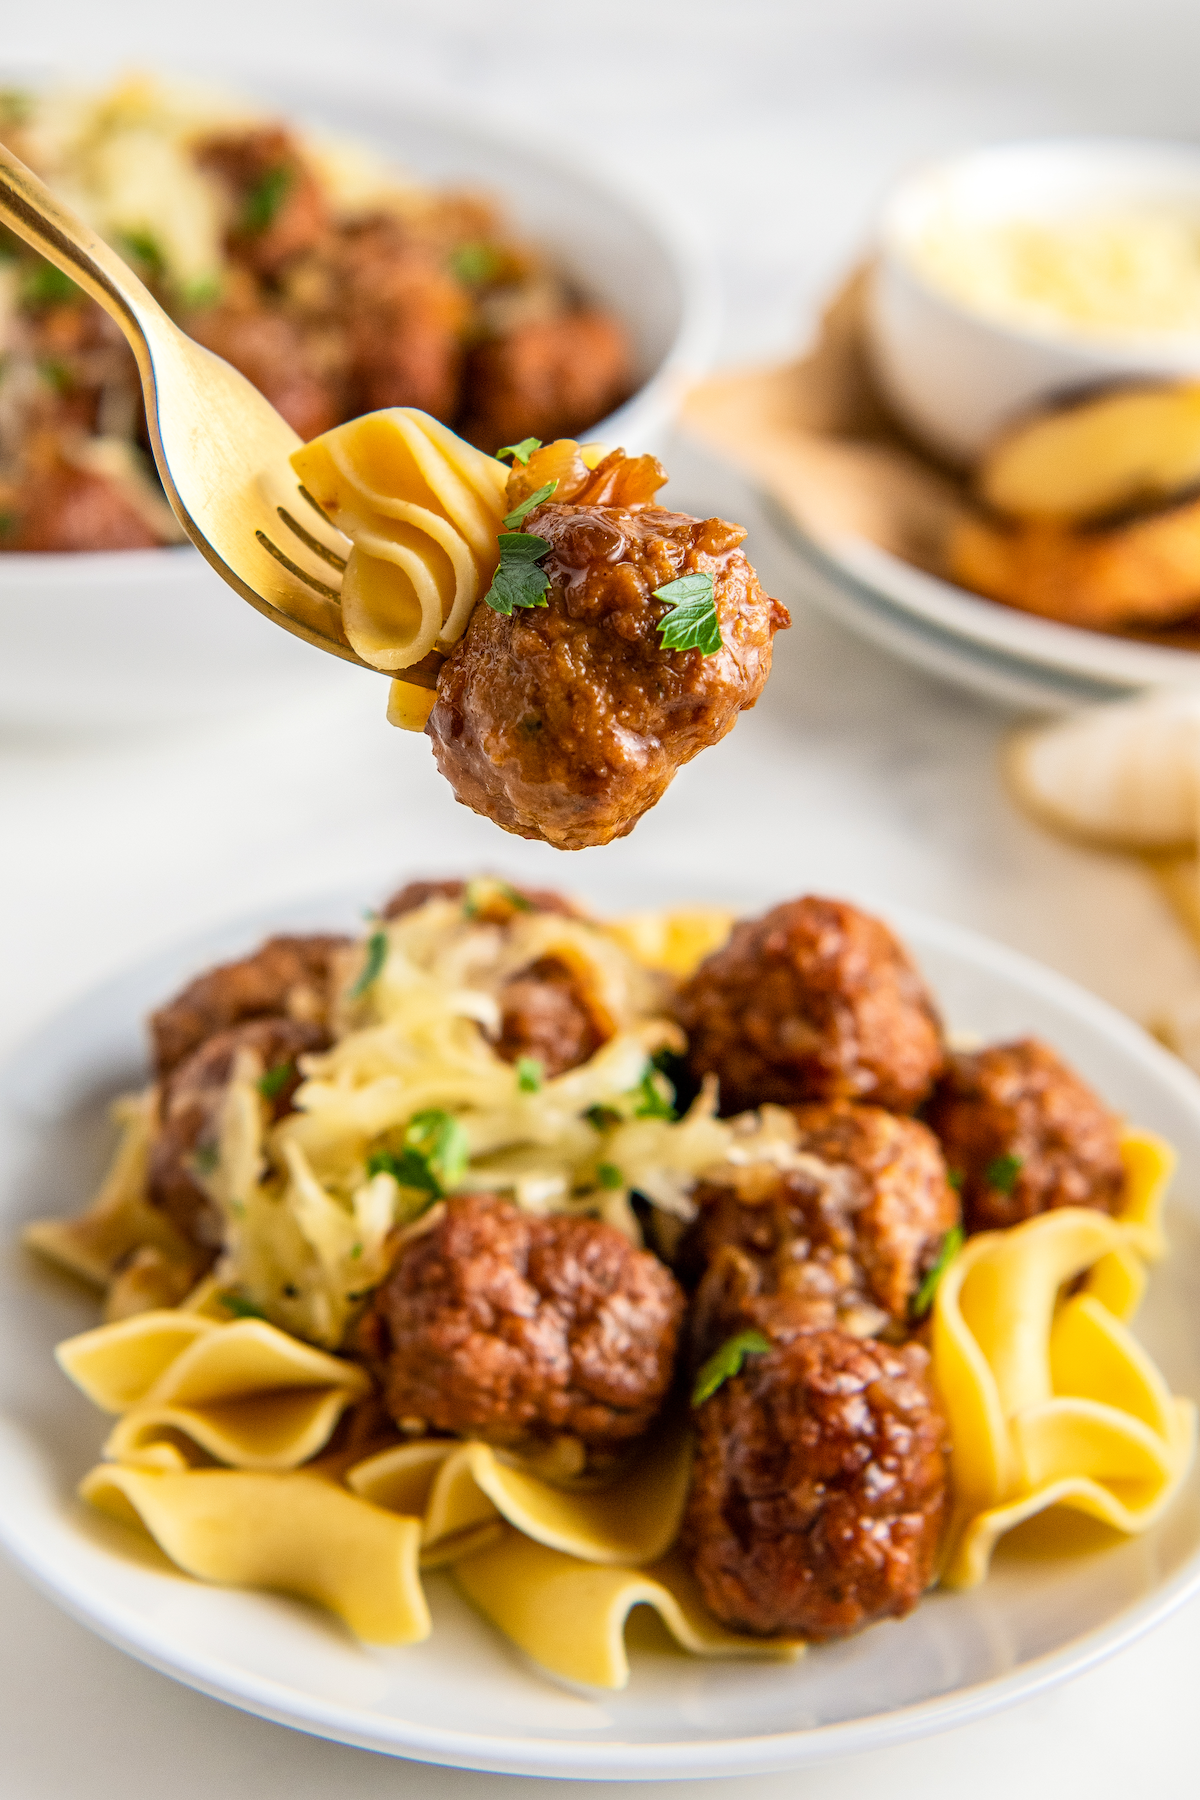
(234, 1444)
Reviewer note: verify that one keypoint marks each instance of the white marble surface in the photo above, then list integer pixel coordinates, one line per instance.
(773, 125)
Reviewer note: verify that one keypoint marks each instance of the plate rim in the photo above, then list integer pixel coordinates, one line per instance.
(577, 1758)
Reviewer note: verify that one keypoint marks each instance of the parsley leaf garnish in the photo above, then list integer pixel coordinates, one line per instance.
(518, 581)
(272, 1083)
(56, 374)
(377, 949)
(601, 1118)
(265, 198)
(951, 1244)
(521, 452)
(485, 889)
(529, 1074)
(8, 523)
(609, 1176)
(955, 1179)
(727, 1361)
(434, 1156)
(655, 1097)
(205, 1158)
(1002, 1173)
(692, 622)
(476, 263)
(240, 1307)
(520, 513)
(143, 247)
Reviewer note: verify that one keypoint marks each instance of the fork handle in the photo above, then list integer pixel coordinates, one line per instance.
(29, 208)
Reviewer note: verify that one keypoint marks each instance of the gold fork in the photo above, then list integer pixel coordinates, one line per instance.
(222, 450)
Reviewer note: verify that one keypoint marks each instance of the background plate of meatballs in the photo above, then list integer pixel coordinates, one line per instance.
(867, 1088)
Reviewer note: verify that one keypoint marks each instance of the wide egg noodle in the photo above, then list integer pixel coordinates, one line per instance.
(422, 509)
(120, 1219)
(570, 1616)
(632, 1519)
(296, 1533)
(1049, 1400)
(244, 1393)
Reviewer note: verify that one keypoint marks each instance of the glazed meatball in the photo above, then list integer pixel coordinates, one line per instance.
(288, 977)
(544, 1013)
(407, 319)
(1023, 1134)
(273, 352)
(277, 204)
(841, 1238)
(818, 1489)
(501, 1325)
(57, 506)
(189, 1114)
(550, 378)
(567, 721)
(814, 1001)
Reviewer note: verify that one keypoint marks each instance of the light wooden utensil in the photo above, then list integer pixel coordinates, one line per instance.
(222, 450)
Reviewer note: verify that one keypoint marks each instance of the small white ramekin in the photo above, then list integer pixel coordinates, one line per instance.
(953, 375)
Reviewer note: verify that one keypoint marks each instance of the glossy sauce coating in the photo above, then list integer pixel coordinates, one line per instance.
(287, 977)
(502, 1325)
(814, 1001)
(842, 1238)
(1024, 1134)
(568, 721)
(819, 1488)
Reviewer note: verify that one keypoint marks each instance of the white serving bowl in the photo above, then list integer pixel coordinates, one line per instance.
(953, 375)
(146, 637)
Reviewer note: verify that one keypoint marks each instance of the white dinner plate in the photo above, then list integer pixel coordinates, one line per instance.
(978, 643)
(465, 1698)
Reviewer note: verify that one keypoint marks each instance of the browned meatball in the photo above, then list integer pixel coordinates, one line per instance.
(407, 319)
(568, 721)
(501, 1325)
(544, 1013)
(497, 906)
(278, 206)
(814, 1001)
(551, 378)
(842, 1238)
(287, 977)
(272, 351)
(58, 506)
(189, 1114)
(1023, 1134)
(818, 1489)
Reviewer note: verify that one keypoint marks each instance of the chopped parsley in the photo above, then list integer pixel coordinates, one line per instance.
(47, 286)
(529, 1074)
(655, 1097)
(240, 1307)
(951, 1244)
(476, 264)
(521, 452)
(955, 1179)
(203, 291)
(273, 1082)
(377, 949)
(692, 622)
(205, 1158)
(609, 1176)
(520, 513)
(602, 1117)
(56, 374)
(519, 580)
(355, 1251)
(143, 247)
(265, 198)
(8, 523)
(433, 1157)
(485, 890)
(1002, 1173)
(725, 1362)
